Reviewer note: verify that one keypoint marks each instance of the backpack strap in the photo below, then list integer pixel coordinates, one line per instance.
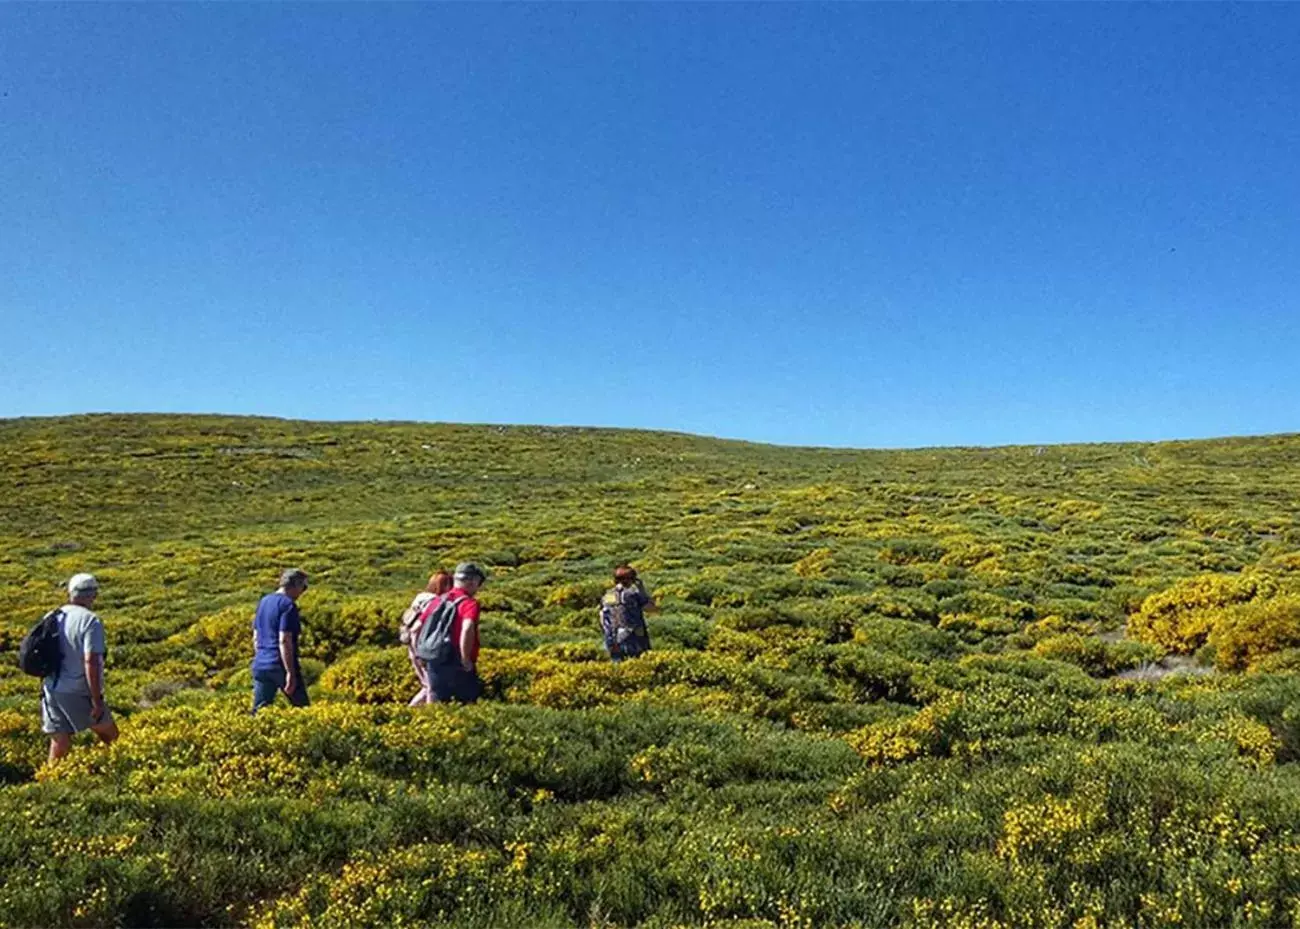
(59, 617)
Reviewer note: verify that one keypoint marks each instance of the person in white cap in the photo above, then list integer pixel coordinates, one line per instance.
(72, 699)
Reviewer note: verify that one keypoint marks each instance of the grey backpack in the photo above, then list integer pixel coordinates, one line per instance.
(433, 636)
(410, 623)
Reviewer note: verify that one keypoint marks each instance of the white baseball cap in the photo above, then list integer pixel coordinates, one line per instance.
(82, 584)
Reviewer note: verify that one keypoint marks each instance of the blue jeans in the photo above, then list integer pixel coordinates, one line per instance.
(266, 684)
(451, 682)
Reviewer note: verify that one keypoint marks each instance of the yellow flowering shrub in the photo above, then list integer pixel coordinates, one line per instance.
(226, 637)
(1181, 618)
(396, 887)
(1253, 740)
(816, 563)
(373, 676)
(22, 749)
(1246, 634)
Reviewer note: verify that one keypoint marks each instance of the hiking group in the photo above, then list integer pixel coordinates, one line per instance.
(67, 648)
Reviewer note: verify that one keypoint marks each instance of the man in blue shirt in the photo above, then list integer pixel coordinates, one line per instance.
(275, 644)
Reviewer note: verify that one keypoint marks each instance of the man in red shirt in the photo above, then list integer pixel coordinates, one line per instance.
(458, 680)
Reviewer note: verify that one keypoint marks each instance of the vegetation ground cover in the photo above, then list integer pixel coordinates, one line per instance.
(888, 688)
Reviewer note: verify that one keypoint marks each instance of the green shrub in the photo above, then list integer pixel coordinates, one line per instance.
(577, 595)
(1095, 656)
(911, 551)
(874, 699)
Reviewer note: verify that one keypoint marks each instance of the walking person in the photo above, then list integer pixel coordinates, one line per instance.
(622, 615)
(72, 698)
(438, 585)
(276, 627)
(448, 639)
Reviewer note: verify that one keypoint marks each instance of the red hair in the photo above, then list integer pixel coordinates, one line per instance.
(439, 584)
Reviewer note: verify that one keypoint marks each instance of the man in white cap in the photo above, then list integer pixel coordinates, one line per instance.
(73, 698)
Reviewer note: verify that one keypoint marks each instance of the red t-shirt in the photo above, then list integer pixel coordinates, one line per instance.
(466, 612)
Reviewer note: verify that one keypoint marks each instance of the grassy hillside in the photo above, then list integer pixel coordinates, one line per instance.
(889, 688)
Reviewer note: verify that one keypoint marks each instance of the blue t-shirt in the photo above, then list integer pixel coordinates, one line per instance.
(275, 614)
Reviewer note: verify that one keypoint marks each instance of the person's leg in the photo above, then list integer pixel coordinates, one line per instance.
(60, 742)
(106, 730)
(265, 686)
(469, 688)
(440, 684)
(56, 724)
(421, 675)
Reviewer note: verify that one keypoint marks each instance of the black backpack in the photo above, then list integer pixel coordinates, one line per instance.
(41, 651)
(433, 642)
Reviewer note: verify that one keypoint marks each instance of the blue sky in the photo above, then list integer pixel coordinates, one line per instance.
(867, 225)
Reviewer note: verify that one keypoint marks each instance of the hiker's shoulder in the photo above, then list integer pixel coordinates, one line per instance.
(75, 616)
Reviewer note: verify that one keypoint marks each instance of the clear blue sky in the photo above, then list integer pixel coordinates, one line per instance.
(869, 225)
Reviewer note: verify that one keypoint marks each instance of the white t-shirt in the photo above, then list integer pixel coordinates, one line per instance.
(421, 600)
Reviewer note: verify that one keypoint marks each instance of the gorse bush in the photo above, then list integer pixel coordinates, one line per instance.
(1247, 634)
(924, 688)
(1181, 618)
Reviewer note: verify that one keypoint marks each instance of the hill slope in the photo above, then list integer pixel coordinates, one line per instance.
(880, 692)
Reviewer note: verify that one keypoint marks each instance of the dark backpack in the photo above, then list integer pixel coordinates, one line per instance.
(432, 641)
(41, 651)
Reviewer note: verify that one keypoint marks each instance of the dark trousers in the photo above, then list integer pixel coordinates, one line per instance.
(266, 684)
(451, 682)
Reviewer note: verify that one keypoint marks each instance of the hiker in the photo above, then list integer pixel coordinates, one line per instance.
(622, 615)
(72, 698)
(447, 640)
(438, 585)
(276, 627)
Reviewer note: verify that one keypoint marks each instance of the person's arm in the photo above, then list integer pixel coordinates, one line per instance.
(95, 680)
(93, 648)
(289, 655)
(469, 636)
(290, 626)
(648, 604)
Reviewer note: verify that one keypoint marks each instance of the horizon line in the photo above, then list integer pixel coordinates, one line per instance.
(659, 431)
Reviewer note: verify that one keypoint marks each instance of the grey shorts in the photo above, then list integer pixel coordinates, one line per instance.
(69, 713)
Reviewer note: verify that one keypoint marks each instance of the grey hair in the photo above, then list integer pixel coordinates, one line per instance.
(293, 577)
